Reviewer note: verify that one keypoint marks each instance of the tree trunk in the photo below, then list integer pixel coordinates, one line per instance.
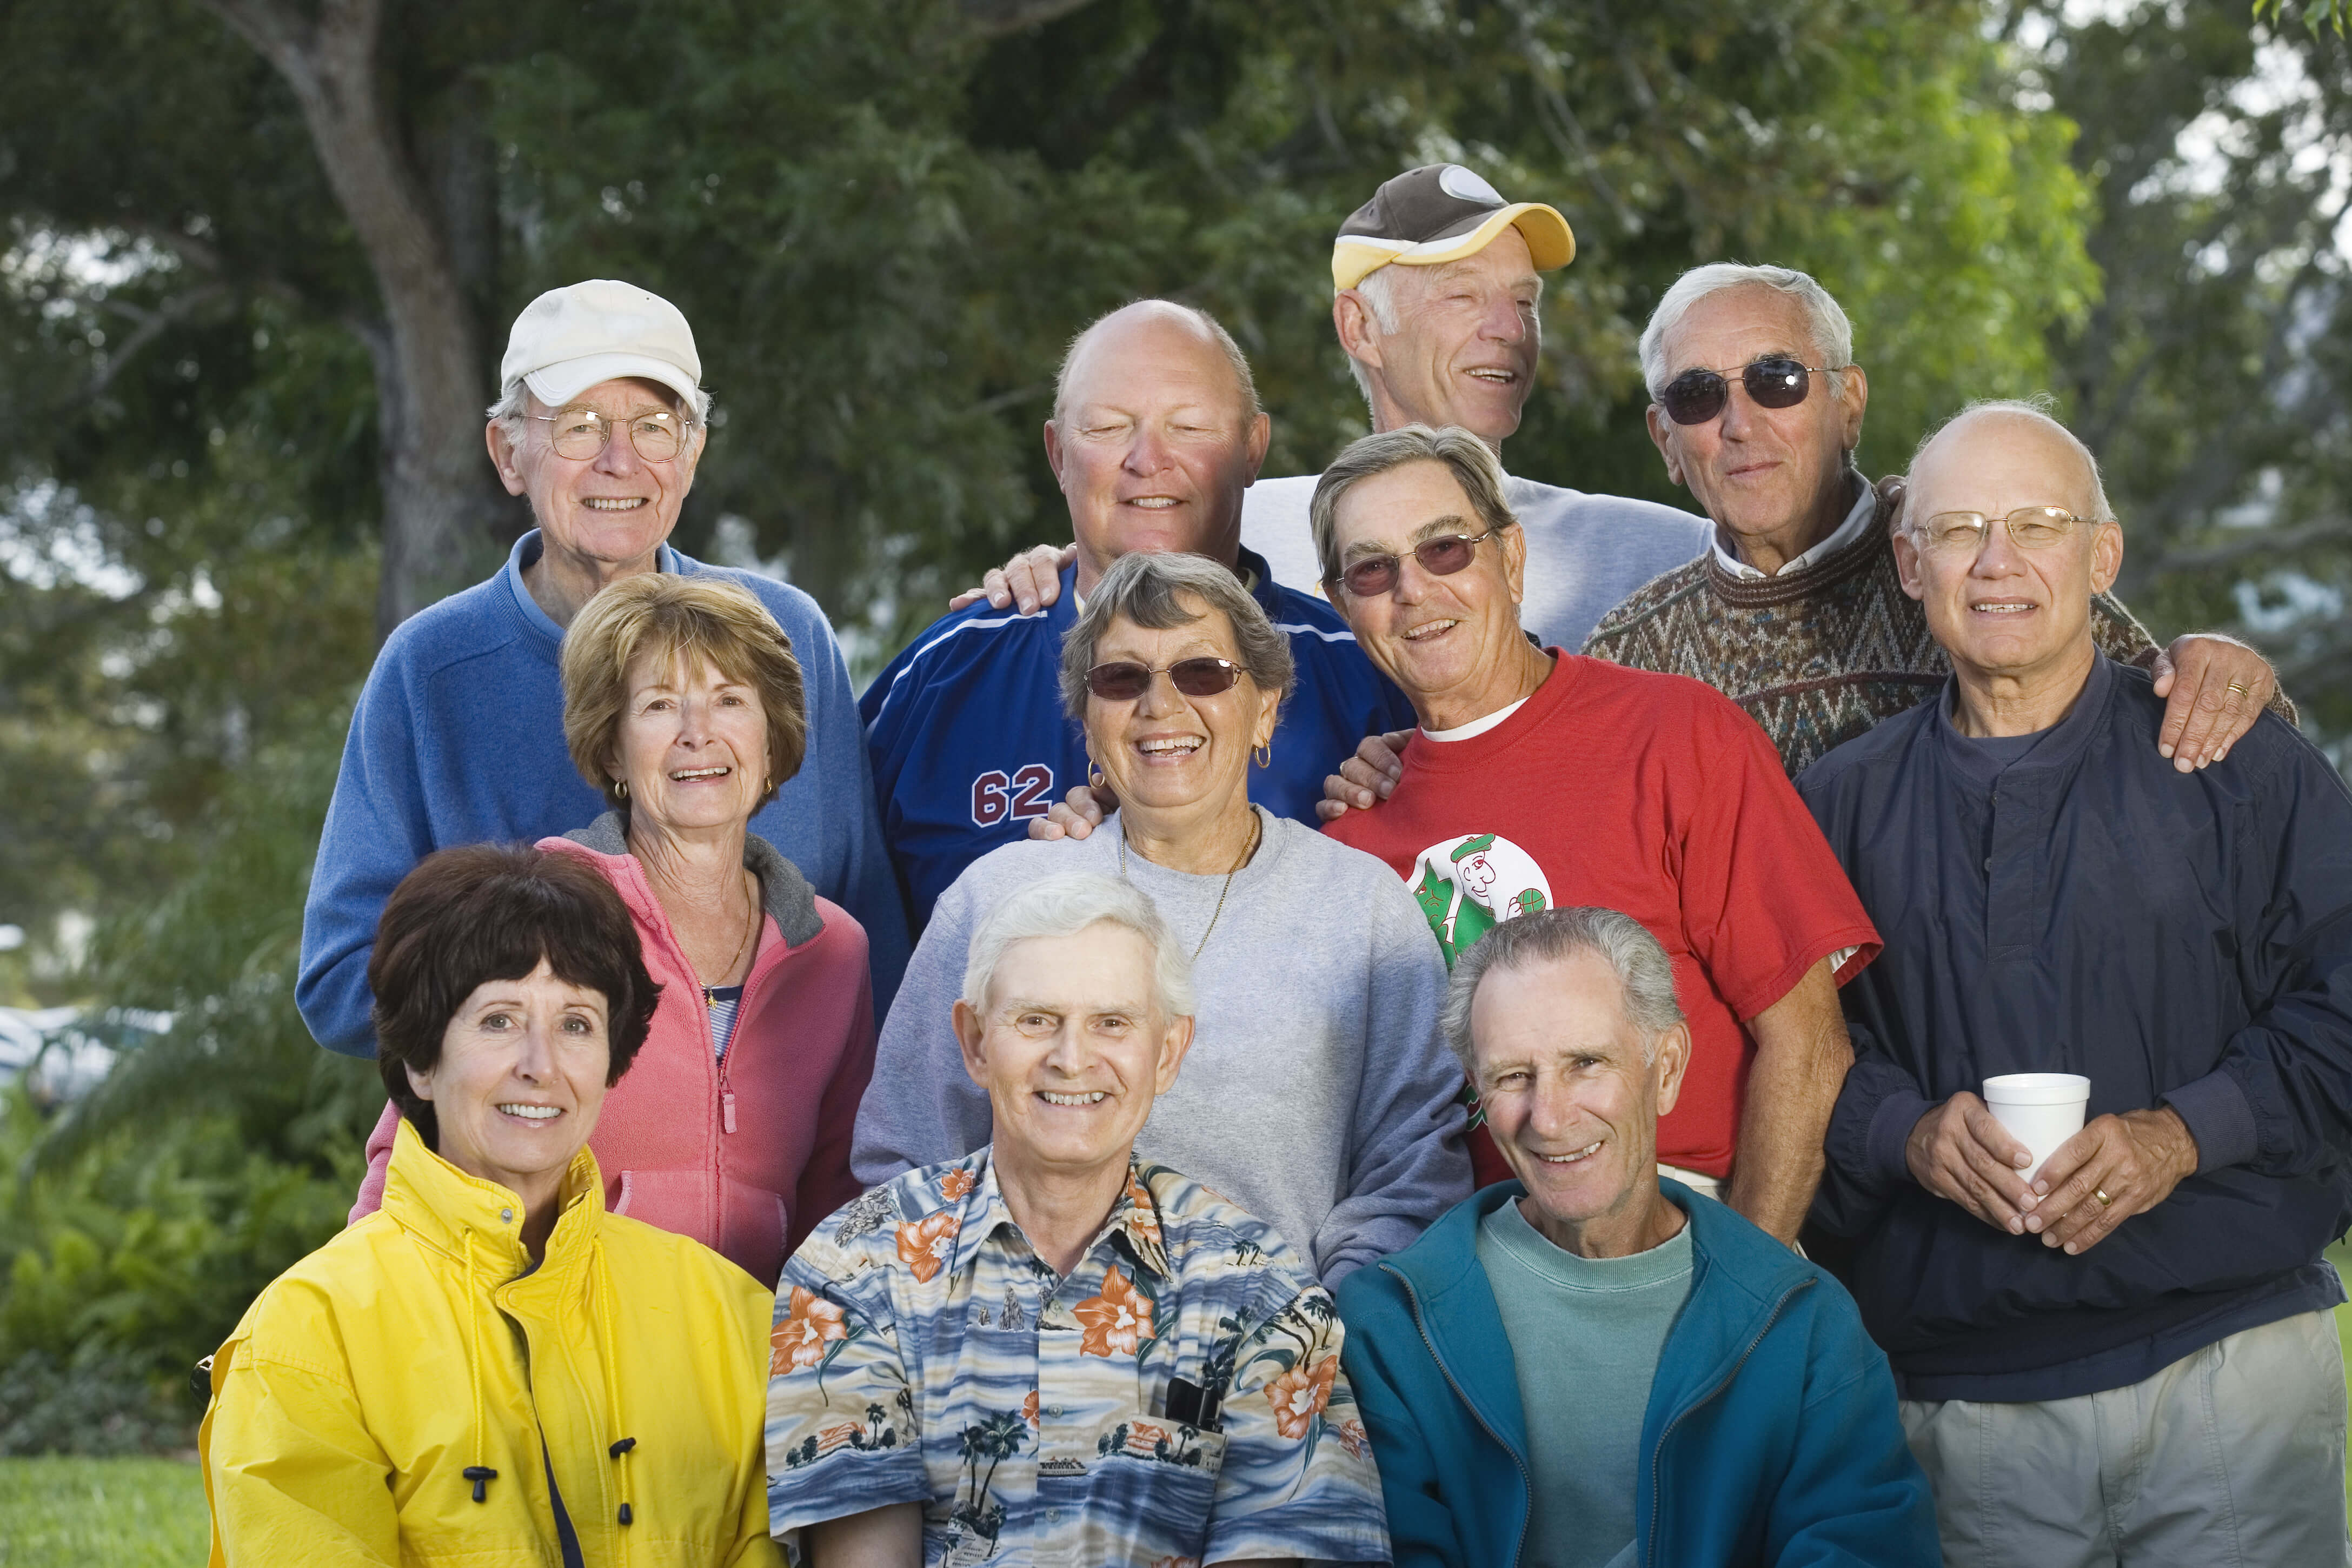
(438, 503)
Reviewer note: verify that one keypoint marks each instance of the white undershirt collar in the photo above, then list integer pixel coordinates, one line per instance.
(1476, 726)
(1857, 519)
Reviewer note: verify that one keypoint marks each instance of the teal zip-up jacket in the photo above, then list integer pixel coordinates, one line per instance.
(1770, 1438)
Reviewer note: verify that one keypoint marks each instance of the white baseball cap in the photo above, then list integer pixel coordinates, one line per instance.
(570, 339)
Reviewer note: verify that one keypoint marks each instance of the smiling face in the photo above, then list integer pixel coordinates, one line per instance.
(1167, 751)
(1442, 639)
(1999, 611)
(1072, 1049)
(614, 509)
(693, 745)
(1762, 473)
(1570, 1103)
(1468, 336)
(1152, 442)
(521, 1081)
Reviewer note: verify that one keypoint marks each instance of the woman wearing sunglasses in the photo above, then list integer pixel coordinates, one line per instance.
(1318, 1094)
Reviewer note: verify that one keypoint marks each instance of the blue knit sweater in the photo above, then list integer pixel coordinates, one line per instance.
(458, 738)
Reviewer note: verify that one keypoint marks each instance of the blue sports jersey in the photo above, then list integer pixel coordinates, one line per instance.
(969, 741)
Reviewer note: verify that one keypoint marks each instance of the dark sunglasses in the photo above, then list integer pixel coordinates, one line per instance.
(1776, 380)
(1125, 681)
(1369, 576)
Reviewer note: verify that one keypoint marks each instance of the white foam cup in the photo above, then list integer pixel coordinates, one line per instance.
(2041, 1110)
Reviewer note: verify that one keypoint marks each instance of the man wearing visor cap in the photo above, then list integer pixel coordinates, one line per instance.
(458, 737)
(1436, 281)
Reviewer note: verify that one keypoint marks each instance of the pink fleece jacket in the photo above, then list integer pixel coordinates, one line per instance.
(748, 1154)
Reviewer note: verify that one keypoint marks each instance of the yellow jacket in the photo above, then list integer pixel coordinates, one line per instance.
(368, 1388)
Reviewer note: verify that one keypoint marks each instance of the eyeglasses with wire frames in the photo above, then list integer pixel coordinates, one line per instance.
(1124, 680)
(1773, 381)
(2030, 528)
(1369, 576)
(581, 432)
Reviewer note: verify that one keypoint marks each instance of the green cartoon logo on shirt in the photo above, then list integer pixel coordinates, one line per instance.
(1470, 885)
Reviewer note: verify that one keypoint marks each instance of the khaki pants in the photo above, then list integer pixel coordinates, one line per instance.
(2229, 1457)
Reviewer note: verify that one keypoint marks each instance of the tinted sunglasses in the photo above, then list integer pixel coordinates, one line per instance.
(1776, 380)
(1369, 576)
(1124, 680)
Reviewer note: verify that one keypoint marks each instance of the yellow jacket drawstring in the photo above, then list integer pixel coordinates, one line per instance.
(611, 1359)
(481, 1475)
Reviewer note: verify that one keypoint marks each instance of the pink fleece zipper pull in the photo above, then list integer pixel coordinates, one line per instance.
(727, 1109)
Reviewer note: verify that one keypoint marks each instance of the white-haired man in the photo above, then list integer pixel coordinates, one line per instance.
(1437, 283)
(2124, 1354)
(1586, 1365)
(1797, 614)
(1051, 1349)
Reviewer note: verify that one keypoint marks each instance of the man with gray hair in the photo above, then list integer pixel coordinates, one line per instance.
(1054, 1350)
(1156, 432)
(2113, 1344)
(1437, 287)
(1795, 613)
(1586, 1365)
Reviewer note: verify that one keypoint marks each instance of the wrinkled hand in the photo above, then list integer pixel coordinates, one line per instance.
(1033, 579)
(1960, 1151)
(1077, 815)
(1366, 778)
(2136, 1159)
(2202, 717)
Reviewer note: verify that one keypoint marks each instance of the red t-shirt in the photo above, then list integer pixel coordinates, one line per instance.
(1648, 793)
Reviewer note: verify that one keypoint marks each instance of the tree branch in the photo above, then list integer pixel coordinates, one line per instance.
(152, 324)
(994, 19)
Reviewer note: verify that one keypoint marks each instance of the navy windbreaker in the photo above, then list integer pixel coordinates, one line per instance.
(2180, 939)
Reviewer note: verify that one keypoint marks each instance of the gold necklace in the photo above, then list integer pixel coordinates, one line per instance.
(1257, 831)
(750, 929)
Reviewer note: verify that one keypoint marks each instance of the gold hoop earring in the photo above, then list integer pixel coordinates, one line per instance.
(1096, 778)
(621, 788)
(1264, 755)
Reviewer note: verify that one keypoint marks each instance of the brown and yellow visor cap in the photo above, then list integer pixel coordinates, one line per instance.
(1438, 212)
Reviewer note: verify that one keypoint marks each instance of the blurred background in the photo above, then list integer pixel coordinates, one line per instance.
(257, 258)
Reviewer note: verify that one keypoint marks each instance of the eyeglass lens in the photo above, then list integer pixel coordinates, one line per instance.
(1375, 574)
(2030, 528)
(1696, 397)
(582, 433)
(1124, 680)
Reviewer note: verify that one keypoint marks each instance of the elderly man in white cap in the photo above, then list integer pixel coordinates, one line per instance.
(458, 734)
(1437, 280)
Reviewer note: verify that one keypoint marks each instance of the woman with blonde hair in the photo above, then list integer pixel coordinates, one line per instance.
(682, 703)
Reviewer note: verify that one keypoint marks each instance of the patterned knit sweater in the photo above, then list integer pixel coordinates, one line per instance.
(1816, 654)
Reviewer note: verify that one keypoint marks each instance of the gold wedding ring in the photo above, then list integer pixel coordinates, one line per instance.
(2235, 686)
(2101, 1194)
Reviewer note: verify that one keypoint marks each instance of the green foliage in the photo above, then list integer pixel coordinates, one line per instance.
(2212, 377)
(2315, 15)
(131, 1259)
(102, 1513)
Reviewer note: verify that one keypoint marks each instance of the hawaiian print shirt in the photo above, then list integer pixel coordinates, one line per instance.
(1175, 1399)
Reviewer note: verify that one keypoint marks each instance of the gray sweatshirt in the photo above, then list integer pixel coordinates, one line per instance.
(1318, 1095)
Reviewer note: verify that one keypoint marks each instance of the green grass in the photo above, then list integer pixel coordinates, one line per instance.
(149, 1514)
(102, 1513)
(2340, 1254)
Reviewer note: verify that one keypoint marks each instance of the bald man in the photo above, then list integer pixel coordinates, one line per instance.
(1156, 433)
(2118, 1349)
